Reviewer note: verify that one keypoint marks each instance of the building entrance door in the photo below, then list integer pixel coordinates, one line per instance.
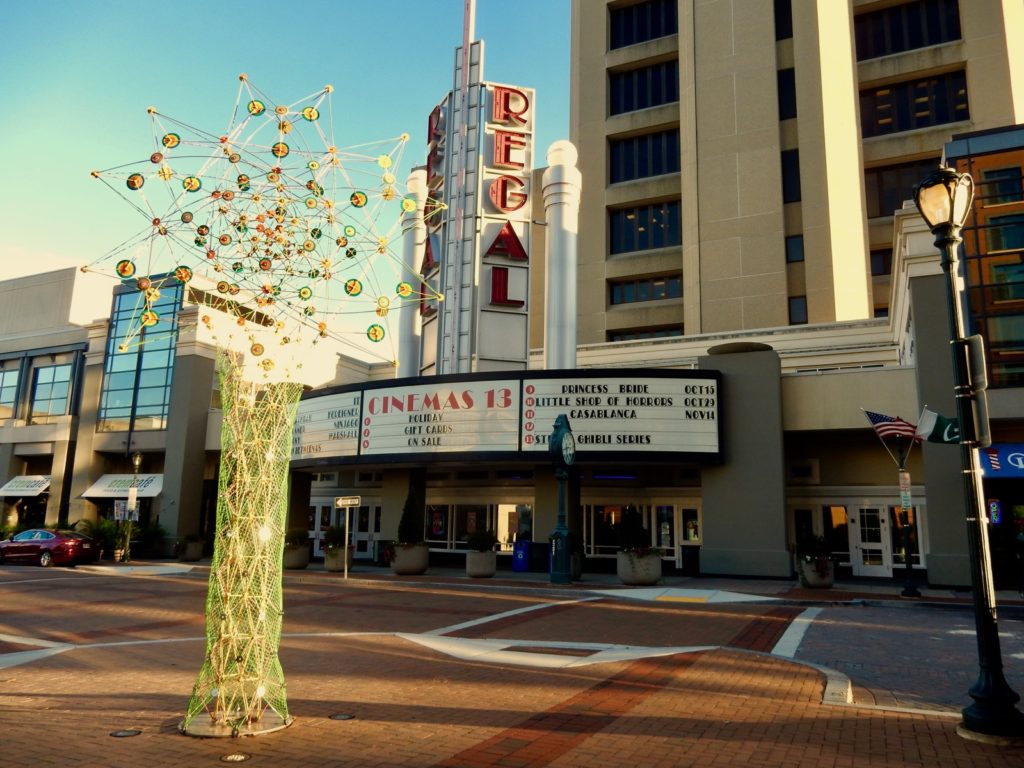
(870, 542)
(325, 515)
(365, 525)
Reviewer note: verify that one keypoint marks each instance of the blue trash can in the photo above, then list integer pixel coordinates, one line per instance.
(520, 557)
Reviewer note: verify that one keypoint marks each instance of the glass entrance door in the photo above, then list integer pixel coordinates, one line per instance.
(870, 542)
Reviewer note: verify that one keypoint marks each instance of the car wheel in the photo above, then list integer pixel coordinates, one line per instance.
(45, 559)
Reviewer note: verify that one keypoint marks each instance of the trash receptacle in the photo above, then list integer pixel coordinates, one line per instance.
(520, 556)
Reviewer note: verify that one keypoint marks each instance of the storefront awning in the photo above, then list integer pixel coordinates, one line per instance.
(25, 485)
(117, 486)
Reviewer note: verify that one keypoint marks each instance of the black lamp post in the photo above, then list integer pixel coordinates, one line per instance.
(133, 505)
(562, 449)
(943, 200)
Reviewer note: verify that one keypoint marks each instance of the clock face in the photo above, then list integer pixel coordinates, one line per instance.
(568, 448)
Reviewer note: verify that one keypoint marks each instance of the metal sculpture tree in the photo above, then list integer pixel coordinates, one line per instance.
(285, 242)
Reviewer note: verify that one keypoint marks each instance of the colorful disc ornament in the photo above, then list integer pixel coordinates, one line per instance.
(358, 199)
(149, 318)
(183, 274)
(125, 268)
(257, 107)
(404, 290)
(171, 140)
(280, 149)
(310, 113)
(135, 181)
(375, 333)
(191, 184)
(353, 287)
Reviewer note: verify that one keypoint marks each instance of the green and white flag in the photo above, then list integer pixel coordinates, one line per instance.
(936, 428)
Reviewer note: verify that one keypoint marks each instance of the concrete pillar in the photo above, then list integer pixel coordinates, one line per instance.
(744, 498)
(185, 457)
(414, 237)
(561, 183)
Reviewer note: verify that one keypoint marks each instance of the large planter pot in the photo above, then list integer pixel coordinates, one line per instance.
(334, 559)
(814, 576)
(190, 551)
(481, 565)
(638, 570)
(410, 559)
(296, 556)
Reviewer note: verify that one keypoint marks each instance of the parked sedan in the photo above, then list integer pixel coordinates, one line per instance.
(49, 547)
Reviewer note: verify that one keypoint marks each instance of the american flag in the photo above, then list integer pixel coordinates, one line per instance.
(890, 426)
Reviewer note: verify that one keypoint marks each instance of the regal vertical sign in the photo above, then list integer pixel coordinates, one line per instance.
(477, 256)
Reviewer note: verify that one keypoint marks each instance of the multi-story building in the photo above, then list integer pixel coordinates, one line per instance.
(744, 159)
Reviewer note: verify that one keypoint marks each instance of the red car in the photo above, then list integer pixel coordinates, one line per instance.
(49, 547)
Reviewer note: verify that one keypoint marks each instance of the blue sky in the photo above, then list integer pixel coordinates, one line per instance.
(78, 75)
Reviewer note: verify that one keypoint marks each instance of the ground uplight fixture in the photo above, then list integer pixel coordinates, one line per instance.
(944, 199)
(343, 716)
(125, 733)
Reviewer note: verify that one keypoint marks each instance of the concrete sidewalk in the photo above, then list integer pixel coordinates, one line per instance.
(417, 698)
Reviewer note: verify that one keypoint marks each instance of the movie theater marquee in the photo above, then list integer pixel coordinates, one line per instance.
(611, 415)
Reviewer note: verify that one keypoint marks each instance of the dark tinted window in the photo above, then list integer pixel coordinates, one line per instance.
(906, 27)
(917, 103)
(790, 176)
(644, 227)
(640, 22)
(794, 249)
(787, 93)
(797, 310)
(783, 19)
(644, 87)
(641, 156)
(886, 188)
(881, 262)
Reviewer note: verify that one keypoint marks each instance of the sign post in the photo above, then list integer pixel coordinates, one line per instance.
(346, 503)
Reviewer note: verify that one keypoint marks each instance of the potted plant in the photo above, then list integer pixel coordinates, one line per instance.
(814, 563)
(296, 549)
(122, 540)
(481, 560)
(637, 562)
(409, 555)
(101, 531)
(189, 548)
(335, 551)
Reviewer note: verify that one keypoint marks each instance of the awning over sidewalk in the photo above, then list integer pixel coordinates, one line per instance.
(117, 486)
(25, 485)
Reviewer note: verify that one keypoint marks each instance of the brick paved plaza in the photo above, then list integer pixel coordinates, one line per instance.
(442, 671)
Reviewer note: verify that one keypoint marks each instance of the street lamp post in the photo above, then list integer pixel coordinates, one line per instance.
(943, 200)
(133, 505)
(562, 448)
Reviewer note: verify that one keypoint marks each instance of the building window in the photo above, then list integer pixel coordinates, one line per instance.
(644, 333)
(787, 93)
(917, 103)
(881, 311)
(1008, 281)
(645, 227)
(887, 187)
(640, 22)
(1005, 233)
(51, 386)
(136, 393)
(881, 262)
(797, 310)
(790, 176)
(646, 289)
(783, 19)
(9, 378)
(641, 156)
(906, 27)
(1001, 185)
(794, 249)
(644, 87)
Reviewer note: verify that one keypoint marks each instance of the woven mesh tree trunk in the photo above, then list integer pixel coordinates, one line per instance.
(241, 688)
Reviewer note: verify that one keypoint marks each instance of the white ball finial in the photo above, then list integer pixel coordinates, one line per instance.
(562, 152)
